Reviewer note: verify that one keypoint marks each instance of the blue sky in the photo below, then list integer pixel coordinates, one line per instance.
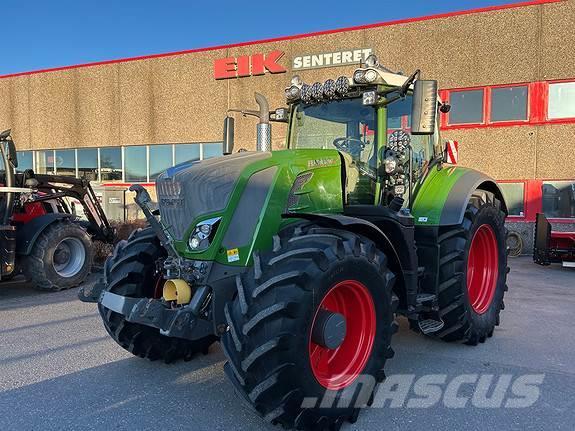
(38, 34)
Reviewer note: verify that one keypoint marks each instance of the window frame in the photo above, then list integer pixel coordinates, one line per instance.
(464, 125)
(516, 218)
(545, 107)
(537, 106)
(122, 148)
(487, 103)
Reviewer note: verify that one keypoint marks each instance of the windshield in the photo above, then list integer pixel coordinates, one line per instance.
(344, 125)
(349, 127)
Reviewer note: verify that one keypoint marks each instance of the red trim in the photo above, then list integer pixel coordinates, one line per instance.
(294, 37)
(539, 94)
(487, 102)
(533, 201)
(537, 106)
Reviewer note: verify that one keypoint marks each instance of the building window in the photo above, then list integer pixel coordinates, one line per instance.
(66, 162)
(45, 162)
(559, 199)
(25, 160)
(509, 104)
(466, 107)
(160, 159)
(88, 163)
(514, 195)
(111, 164)
(561, 100)
(187, 152)
(212, 150)
(136, 163)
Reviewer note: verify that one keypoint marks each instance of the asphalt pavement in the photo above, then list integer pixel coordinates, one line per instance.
(59, 369)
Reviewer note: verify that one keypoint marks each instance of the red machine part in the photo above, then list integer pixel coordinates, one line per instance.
(31, 211)
(562, 240)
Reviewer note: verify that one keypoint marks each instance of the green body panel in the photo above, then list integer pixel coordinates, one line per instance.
(431, 195)
(321, 193)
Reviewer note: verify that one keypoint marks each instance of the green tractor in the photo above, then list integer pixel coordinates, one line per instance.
(299, 260)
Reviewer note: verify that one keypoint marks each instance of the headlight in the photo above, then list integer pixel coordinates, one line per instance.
(399, 190)
(359, 77)
(306, 95)
(342, 85)
(390, 164)
(292, 93)
(370, 76)
(203, 234)
(329, 89)
(370, 98)
(317, 91)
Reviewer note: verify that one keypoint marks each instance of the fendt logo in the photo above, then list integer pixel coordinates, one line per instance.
(248, 65)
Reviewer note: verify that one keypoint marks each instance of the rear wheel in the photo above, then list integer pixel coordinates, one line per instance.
(473, 271)
(314, 316)
(61, 257)
(131, 272)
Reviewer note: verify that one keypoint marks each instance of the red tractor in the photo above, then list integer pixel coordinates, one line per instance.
(40, 234)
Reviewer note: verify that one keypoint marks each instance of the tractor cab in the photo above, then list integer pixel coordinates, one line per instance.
(383, 124)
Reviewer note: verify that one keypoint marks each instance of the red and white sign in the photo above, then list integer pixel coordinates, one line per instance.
(248, 65)
(452, 149)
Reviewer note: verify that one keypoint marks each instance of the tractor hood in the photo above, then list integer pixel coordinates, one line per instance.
(191, 189)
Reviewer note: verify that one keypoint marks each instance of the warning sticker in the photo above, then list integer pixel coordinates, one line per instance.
(233, 255)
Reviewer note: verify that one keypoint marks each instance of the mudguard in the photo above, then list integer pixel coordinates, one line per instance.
(442, 198)
(27, 235)
(352, 224)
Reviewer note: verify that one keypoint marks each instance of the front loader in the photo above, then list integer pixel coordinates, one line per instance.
(40, 235)
(299, 260)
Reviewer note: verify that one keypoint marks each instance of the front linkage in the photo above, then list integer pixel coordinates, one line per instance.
(167, 314)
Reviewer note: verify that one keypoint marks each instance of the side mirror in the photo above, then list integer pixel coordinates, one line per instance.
(228, 146)
(424, 107)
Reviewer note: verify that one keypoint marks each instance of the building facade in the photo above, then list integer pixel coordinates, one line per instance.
(507, 71)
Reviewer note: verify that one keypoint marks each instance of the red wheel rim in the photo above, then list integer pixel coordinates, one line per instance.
(337, 368)
(482, 268)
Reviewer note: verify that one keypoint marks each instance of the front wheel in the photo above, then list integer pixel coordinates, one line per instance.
(313, 317)
(61, 257)
(473, 271)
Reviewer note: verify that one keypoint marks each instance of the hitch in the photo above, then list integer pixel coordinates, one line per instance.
(181, 322)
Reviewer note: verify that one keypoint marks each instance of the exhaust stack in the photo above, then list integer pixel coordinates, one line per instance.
(264, 128)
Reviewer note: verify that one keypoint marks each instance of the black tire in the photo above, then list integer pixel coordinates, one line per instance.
(131, 272)
(271, 317)
(40, 266)
(462, 322)
(514, 244)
